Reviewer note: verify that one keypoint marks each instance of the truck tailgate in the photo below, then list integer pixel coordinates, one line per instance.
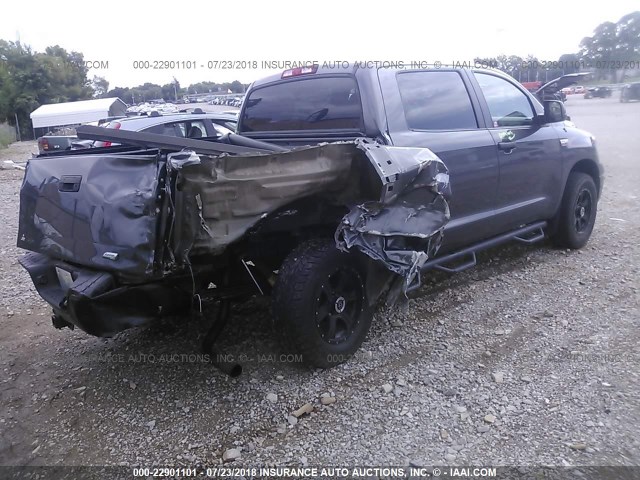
(100, 211)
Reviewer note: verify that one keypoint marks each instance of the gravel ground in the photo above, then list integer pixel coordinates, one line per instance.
(530, 358)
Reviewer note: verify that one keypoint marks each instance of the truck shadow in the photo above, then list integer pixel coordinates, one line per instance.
(249, 339)
(491, 264)
(156, 379)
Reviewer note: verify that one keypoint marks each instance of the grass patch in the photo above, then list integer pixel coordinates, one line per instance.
(7, 135)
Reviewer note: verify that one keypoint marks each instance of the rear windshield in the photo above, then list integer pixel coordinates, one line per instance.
(311, 104)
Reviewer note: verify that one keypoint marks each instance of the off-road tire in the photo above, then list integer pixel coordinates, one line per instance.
(577, 214)
(304, 308)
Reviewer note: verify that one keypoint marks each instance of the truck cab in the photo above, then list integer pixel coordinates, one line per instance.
(508, 156)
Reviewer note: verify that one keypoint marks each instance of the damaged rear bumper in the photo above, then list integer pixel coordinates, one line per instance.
(92, 301)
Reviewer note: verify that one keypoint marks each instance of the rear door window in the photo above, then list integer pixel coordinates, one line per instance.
(436, 101)
(195, 129)
(170, 129)
(318, 103)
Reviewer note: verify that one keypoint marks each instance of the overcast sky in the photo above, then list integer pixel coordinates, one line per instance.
(324, 30)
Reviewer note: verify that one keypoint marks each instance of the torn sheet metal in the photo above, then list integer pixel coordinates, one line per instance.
(218, 199)
(404, 227)
(397, 198)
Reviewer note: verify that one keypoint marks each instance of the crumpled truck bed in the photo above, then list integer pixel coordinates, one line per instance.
(396, 197)
(139, 215)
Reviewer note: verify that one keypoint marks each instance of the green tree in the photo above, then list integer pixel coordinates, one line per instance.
(612, 45)
(236, 87)
(123, 93)
(171, 91)
(28, 80)
(628, 33)
(569, 62)
(100, 86)
(204, 87)
(147, 91)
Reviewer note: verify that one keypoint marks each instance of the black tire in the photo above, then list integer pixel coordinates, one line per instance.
(577, 214)
(320, 307)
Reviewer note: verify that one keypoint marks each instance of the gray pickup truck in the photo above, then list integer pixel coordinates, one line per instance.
(341, 186)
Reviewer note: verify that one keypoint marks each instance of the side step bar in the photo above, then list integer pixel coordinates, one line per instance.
(529, 234)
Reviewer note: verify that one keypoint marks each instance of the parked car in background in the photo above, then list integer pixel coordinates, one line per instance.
(598, 92)
(579, 89)
(187, 125)
(59, 143)
(629, 92)
(556, 89)
(103, 121)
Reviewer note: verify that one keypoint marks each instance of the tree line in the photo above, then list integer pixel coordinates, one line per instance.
(168, 92)
(612, 53)
(29, 79)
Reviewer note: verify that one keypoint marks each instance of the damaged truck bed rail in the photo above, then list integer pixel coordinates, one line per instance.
(122, 238)
(234, 144)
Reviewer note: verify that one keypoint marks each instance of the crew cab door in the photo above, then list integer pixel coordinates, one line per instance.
(529, 153)
(434, 109)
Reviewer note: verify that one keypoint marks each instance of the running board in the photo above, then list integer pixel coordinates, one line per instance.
(536, 235)
(528, 235)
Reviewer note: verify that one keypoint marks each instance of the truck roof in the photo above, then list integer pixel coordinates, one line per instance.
(352, 68)
(320, 71)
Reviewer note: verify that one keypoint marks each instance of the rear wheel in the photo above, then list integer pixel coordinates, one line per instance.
(320, 306)
(577, 214)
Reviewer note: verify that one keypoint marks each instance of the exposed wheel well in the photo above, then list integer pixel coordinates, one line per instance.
(590, 168)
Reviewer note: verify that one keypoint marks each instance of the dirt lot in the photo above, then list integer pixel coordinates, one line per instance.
(531, 358)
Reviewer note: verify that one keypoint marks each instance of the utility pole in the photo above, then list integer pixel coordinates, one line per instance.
(17, 128)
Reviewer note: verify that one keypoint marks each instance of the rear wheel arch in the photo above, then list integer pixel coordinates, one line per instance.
(282, 230)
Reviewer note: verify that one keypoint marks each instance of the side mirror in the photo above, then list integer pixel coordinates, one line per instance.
(554, 111)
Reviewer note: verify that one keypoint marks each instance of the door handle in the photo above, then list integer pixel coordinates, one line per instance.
(506, 147)
(70, 183)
